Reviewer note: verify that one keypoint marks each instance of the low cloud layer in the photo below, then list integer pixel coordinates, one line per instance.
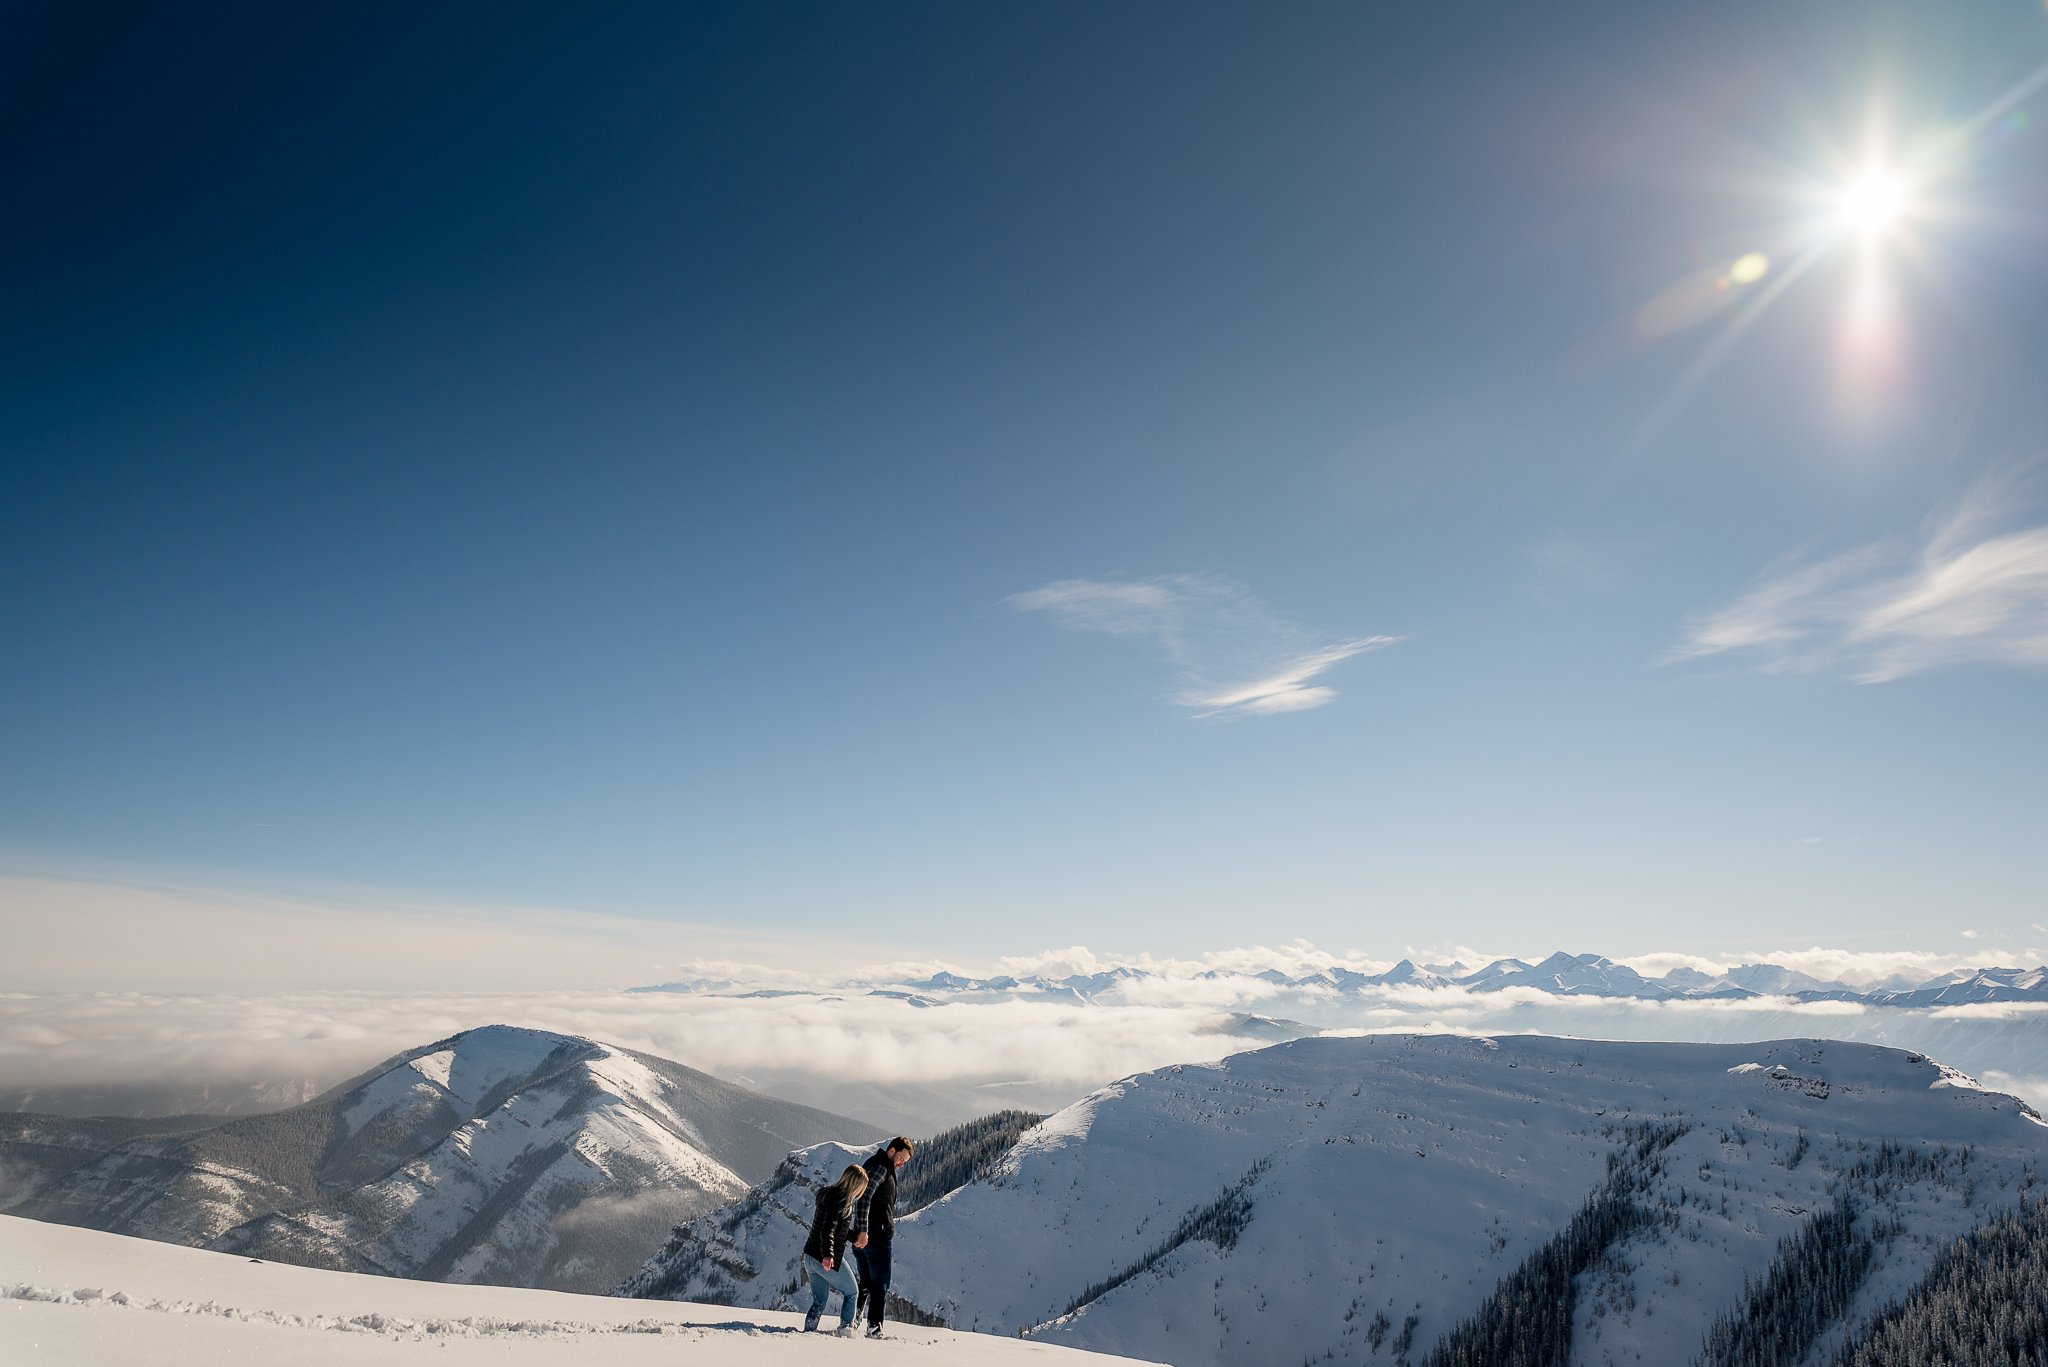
(1965, 594)
(257, 1000)
(955, 1060)
(894, 1061)
(1236, 657)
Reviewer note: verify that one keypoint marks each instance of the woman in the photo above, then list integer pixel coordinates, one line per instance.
(824, 1259)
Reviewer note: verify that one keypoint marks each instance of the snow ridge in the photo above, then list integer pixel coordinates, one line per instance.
(1403, 1183)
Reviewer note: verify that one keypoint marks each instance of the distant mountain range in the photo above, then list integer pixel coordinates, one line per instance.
(1562, 975)
(500, 1156)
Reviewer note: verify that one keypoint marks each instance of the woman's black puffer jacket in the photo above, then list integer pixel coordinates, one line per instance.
(828, 1229)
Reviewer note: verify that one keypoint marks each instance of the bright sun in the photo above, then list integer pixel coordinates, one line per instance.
(1873, 201)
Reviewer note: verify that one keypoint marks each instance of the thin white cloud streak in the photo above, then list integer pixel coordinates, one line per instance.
(1884, 611)
(1236, 657)
(1991, 1011)
(1287, 690)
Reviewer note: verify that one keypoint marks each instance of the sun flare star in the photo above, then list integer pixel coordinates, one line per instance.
(1873, 201)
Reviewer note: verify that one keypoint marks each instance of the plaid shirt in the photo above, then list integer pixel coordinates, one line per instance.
(881, 1190)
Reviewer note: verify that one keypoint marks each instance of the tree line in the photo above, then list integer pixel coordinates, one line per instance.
(1984, 1303)
(1527, 1322)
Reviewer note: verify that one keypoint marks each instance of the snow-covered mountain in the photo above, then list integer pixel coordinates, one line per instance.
(1333, 1199)
(1562, 974)
(1967, 985)
(500, 1155)
(1574, 975)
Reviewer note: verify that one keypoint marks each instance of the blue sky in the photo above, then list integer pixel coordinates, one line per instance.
(906, 472)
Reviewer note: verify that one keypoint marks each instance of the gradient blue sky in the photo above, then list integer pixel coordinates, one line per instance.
(592, 460)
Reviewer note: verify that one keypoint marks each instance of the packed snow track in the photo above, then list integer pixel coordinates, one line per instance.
(82, 1298)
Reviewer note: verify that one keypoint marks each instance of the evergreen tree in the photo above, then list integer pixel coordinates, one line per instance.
(952, 1158)
(1984, 1303)
(1805, 1289)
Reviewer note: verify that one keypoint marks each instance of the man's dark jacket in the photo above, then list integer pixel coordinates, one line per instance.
(875, 1213)
(829, 1231)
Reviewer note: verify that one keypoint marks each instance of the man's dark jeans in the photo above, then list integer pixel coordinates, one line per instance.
(872, 1263)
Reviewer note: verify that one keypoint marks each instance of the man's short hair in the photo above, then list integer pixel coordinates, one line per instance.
(900, 1144)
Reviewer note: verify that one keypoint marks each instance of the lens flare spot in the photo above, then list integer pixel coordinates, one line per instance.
(1873, 201)
(1699, 296)
(2013, 122)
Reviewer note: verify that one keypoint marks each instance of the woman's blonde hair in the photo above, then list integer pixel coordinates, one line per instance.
(850, 1185)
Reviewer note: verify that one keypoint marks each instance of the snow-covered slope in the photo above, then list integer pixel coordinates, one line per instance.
(501, 1155)
(81, 1298)
(1333, 1199)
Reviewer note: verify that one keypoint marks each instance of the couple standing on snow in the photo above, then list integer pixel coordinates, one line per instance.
(861, 1207)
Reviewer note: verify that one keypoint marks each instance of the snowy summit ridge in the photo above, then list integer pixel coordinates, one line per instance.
(1328, 1199)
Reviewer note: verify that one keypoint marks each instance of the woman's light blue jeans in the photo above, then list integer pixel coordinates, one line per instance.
(823, 1284)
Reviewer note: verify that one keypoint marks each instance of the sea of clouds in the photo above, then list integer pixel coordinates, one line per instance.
(894, 1061)
(145, 995)
(877, 1057)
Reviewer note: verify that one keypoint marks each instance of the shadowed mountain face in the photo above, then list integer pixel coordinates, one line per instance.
(500, 1156)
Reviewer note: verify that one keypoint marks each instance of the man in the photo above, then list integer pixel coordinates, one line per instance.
(874, 1226)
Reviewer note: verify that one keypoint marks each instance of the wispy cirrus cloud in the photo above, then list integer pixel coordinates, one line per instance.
(1236, 657)
(1965, 594)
